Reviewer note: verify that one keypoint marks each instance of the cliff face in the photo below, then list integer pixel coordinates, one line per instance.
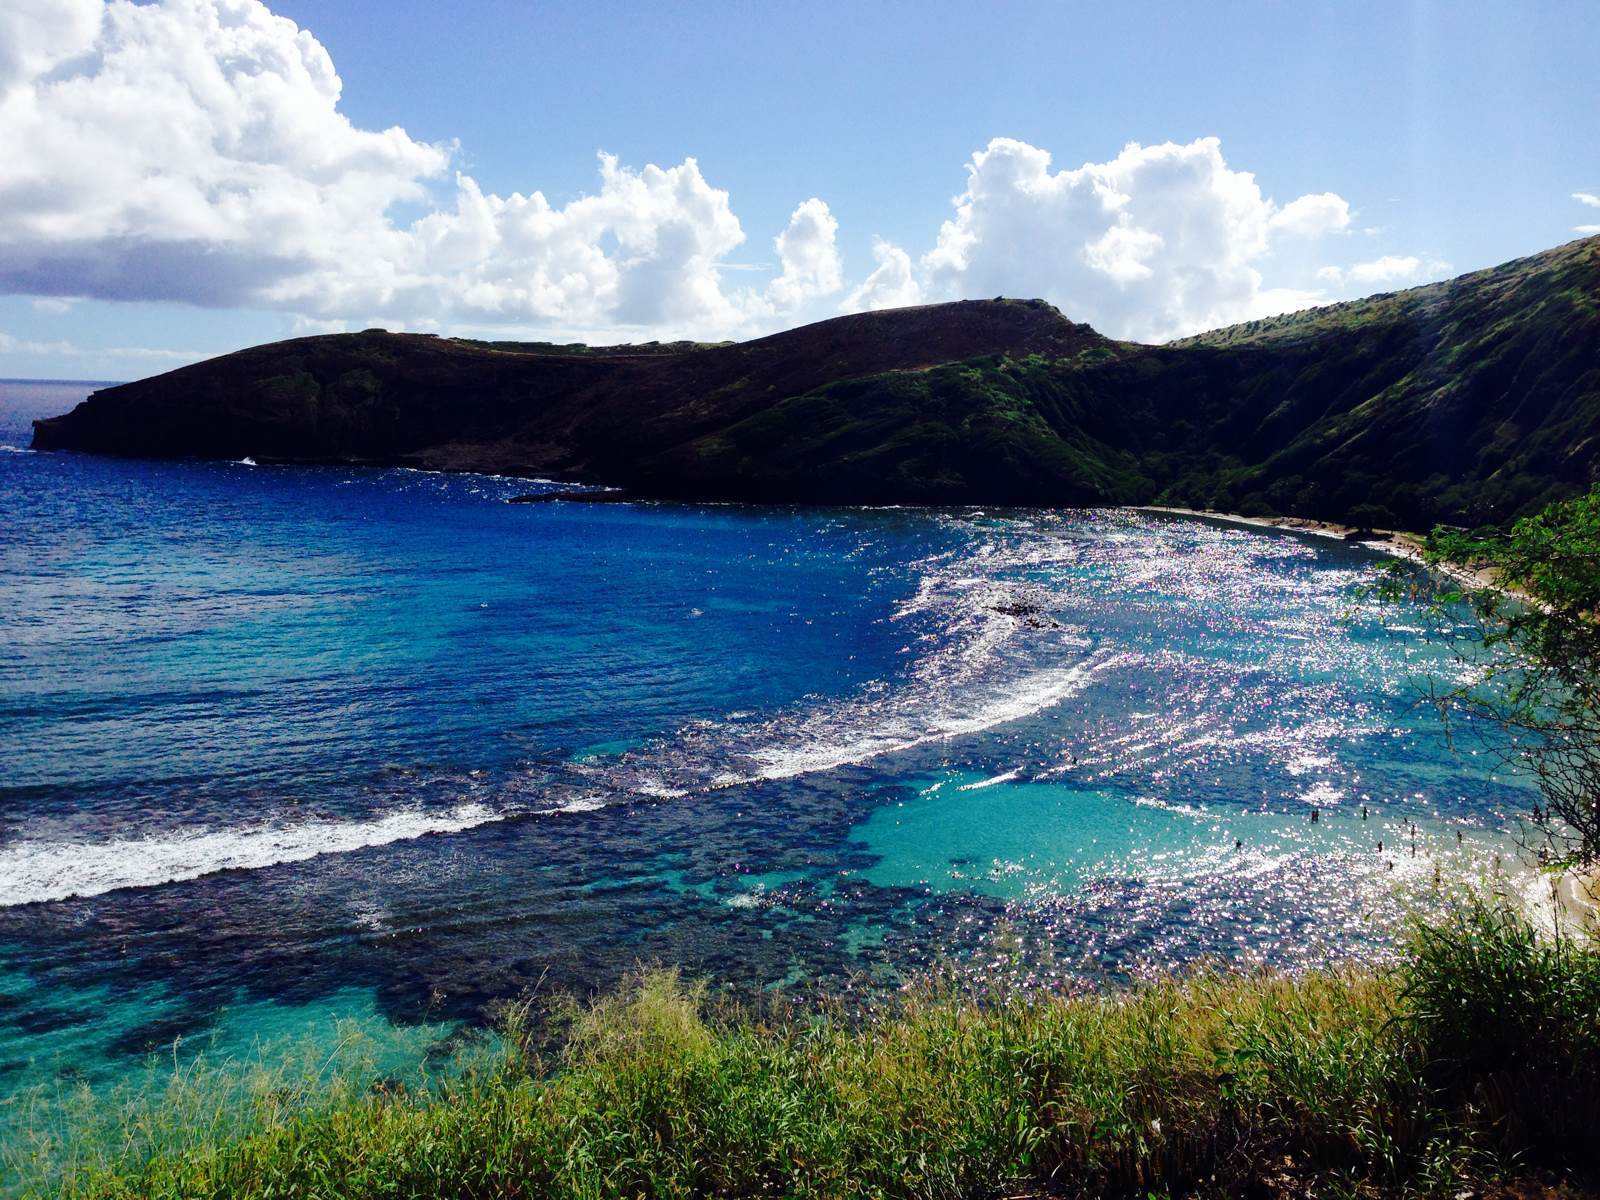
(1468, 400)
(572, 411)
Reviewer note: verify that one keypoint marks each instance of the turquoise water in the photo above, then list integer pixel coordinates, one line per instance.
(284, 747)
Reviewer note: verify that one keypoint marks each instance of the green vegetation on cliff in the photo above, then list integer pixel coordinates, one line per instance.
(1474, 1062)
(1469, 401)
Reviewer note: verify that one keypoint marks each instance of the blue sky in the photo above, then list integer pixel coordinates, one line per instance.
(187, 182)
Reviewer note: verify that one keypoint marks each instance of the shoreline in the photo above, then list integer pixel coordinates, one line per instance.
(1575, 896)
(936, 1094)
(1578, 895)
(1397, 543)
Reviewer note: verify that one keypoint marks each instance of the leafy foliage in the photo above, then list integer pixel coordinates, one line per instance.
(1533, 667)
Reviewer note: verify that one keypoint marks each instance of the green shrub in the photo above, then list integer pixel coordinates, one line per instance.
(1344, 1082)
(1508, 1022)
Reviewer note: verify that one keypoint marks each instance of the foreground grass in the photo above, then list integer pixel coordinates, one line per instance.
(1432, 1079)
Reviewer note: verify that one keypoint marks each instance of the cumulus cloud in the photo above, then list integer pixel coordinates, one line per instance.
(1391, 269)
(892, 284)
(1593, 201)
(194, 150)
(811, 263)
(1312, 216)
(185, 150)
(643, 250)
(1159, 241)
(35, 35)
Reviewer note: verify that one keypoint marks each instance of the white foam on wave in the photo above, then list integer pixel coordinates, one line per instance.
(4, 449)
(982, 661)
(32, 872)
(908, 730)
(995, 658)
(579, 804)
(981, 652)
(992, 781)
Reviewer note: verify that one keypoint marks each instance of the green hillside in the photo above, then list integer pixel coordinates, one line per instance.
(1467, 401)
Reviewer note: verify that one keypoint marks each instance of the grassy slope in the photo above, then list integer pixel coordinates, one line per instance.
(1479, 1060)
(532, 408)
(993, 429)
(1474, 399)
(1470, 400)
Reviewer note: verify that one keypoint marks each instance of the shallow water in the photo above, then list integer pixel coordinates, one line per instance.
(311, 742)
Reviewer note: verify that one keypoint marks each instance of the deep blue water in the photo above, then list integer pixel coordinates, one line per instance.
(277, 743)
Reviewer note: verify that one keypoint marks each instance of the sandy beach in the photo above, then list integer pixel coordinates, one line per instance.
(1398, 542)
(1576, 896)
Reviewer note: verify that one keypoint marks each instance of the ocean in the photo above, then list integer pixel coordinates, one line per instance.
(286, 747)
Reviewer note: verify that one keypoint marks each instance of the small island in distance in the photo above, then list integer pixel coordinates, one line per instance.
(1468, 401)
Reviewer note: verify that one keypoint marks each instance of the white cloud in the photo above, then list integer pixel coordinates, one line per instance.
(194, 150)
(310, 326)
(1160, 241)
(186, 150)
(1272, 301)
(643, 251)
(892, 284)
(63, 348)
(810, 259)
(1593, 201)
(36, 35)
(1389, 270)
(1312, 216)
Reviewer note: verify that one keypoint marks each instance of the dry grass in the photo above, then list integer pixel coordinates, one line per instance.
(1329, 1084)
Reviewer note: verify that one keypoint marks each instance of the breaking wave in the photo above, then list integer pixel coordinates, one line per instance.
(980, 650)
(32, 872)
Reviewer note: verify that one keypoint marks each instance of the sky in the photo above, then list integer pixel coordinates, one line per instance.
(181, 178)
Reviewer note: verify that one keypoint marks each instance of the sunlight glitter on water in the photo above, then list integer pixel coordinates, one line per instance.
(382, 731)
